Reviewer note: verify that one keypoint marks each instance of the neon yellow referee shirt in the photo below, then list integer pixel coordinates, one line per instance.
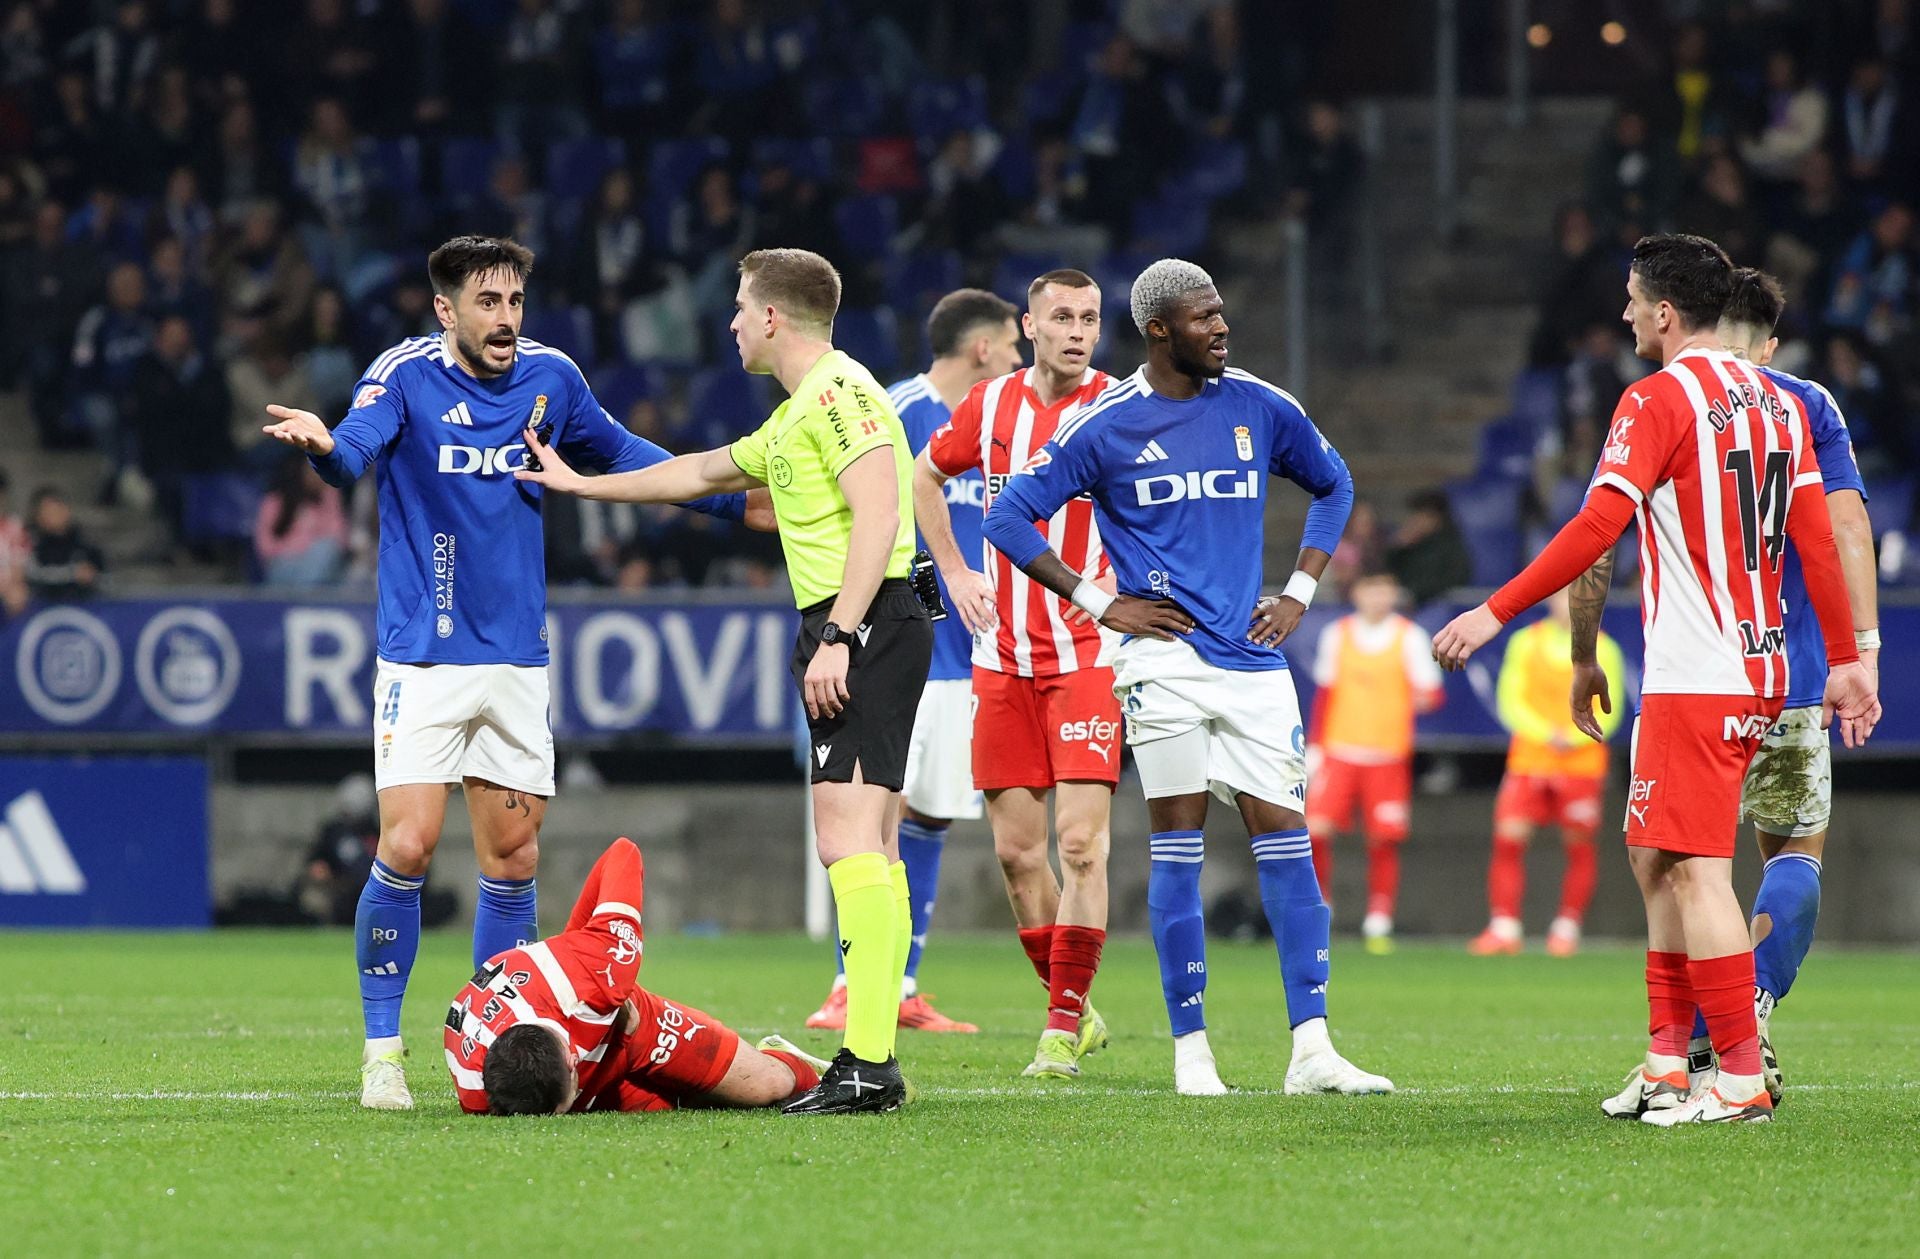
(838, 413)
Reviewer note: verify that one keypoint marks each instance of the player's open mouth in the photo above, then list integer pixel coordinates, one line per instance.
(1218, 349)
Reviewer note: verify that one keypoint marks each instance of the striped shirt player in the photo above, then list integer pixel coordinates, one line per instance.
(1043, 698)
(1176, 459)
(629, 1048)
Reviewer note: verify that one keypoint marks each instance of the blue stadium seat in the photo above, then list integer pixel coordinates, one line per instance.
(466, 167)
(218, 506)
(1172, 223)
(576, 167)
(872, 335)
(673, 165)
(1536, 397)
(622, 386)
(1219, 168)
(1016, 271)
(867, 225)
(845, 108)
(811, 158)
(397, 163)
(939, 107)
(723, 403)
(1506, 449)
(1889, 503)
(1488, 513)
(1565, 500)
(915, 281)
(568, 329)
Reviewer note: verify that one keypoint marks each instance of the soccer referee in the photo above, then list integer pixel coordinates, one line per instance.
(837, 462)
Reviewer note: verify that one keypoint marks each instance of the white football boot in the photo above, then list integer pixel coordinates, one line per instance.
(1657, 1084)
(1712, 1106)
(383, 1082)
(1194, 1072)
(1318, 1068)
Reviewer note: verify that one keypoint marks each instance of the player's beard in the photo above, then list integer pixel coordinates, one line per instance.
(474, 351)
(1200, 362)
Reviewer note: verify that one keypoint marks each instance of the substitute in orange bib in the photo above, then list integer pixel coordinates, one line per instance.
(1555, 777)
(1375, 674)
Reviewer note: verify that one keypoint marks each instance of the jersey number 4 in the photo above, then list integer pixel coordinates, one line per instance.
(1762, 505)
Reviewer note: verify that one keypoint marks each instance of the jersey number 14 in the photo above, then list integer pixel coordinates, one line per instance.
(1762, 505)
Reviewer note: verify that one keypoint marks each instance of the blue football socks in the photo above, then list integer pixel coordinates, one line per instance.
(1790, 895)
(1301, 922)
(1179, 932)
(505, 917)
(920, 848)
(386, 931)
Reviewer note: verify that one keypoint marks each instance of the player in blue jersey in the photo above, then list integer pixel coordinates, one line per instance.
(1788, 793)
(974, 337)
(460, 691)
(1176, 458)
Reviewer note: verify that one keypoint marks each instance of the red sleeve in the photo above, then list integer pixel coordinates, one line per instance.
(1810, 529)
(617, 882)
(955, 446)
(1572, 552)
(1645, 432)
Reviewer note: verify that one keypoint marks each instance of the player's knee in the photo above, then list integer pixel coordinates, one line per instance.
(1020, 855)
(1513, 833)
(518, 859)
(406, 847)
(1083, 850)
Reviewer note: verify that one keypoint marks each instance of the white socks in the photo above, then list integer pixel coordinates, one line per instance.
(1194, 1072)
(1311, 1038)
(377, 1045)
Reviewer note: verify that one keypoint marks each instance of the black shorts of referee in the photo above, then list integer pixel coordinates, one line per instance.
(887, 663)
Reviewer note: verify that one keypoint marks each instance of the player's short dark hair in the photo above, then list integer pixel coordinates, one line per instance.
(959, 313)
(1065, 277)
(1756, 301)
(803, 285)
(525, 1073)
(1690, 273)
(463, 257)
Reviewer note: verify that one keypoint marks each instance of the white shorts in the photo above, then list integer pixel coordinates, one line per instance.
(1196, 727)
(441, 723)
(940, 753)
(1789, 787)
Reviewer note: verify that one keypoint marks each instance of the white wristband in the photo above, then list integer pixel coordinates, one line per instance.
(1867, 639)
(1090, 599)
(1301, 588)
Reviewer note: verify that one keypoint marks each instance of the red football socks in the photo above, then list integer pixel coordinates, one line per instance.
(1670, 1003)
(1076, 957)
(1507, 878)
(1323, 866)
(1383, 877)
(804, 1076)
(1576, 885)
(1724, 988)
(1038, 942)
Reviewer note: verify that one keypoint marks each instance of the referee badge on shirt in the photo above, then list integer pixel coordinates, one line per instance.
(1243, 441)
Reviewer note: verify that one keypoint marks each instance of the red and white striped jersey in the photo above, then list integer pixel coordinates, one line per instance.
(574, 982)
(998, 428)
(1711, 453)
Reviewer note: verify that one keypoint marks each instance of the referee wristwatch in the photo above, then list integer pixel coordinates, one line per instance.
(831, 634)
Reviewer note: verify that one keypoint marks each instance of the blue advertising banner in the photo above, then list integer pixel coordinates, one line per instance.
(704, 670)
(261, 666)
(117, 841)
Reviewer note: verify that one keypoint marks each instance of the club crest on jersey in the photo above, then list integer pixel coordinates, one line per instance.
(1242, 442)
(626, 942)
(368, 395)
(539, 412)
(1617, 450)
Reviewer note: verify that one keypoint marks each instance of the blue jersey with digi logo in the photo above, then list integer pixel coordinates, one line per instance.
(1833, 446)
(1180, 488)
(921, 412)
(462, 571)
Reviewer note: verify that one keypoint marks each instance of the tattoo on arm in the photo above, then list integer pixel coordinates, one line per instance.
(1586, 599)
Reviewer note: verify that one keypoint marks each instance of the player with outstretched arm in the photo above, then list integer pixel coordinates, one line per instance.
(1176, 458)
(460, 690)
(1716, 462)
(838, 464)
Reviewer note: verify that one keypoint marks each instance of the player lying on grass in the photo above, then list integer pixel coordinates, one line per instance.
(564, 1025)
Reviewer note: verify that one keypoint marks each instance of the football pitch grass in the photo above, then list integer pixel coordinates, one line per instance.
(196, 1095)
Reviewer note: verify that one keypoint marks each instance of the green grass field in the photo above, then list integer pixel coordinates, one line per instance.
(195, 1095)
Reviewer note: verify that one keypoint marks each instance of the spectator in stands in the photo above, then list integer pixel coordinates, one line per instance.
(300, 533)
(514, 206)
(1882, 438)
(1695, 101)
(1721, 210)
(427, 50)
(540, 78)
(122, 52)
(262, 280)
(327, 53)
(165, 134)
(104, 221)
(333, 365)
(634, 571)
(711, 230)
(738, 61)
(1585, 286)
(70, 143)
(1362, 548)
(1428, 556)
(1794, 120)
(63, 564)
(1632, 175)
(108, 344)
(1876, 131)
(16, 550)
(185, 215)
(1324, 169)
(1873, 287)
(24, 55)
(406, 312)
(272, 371)
(634, 56)
(244, 170)
(178, 415)
(174, 288)
(965, 203)
(1811, 232)
(221, 49)
(47, 288)
(793, 210)
(333, 173)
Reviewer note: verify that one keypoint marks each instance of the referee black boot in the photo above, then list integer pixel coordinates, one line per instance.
(851, 1086)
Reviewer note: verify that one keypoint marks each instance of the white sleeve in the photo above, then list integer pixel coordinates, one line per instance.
(1327, 653)
(1416, 646)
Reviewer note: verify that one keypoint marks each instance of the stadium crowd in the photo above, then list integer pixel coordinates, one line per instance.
(209, 204)
(1804, 163)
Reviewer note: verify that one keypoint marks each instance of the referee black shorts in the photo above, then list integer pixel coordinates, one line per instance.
(887, 665)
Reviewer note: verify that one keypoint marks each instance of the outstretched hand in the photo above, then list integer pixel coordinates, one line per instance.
(302, 430)
(544, 467)
(1462, 636)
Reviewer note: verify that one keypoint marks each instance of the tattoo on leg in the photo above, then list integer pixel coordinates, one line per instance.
(518, 803)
